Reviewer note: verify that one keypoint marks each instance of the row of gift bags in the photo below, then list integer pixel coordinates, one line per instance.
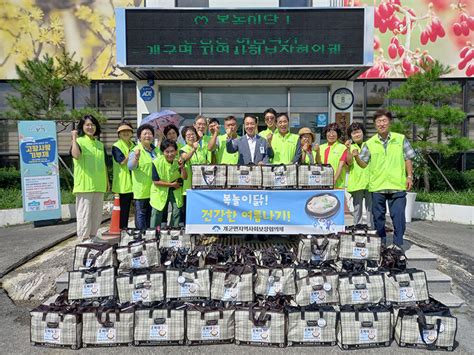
(267, 323)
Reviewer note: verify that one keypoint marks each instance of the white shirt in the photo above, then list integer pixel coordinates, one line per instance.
(252, 144)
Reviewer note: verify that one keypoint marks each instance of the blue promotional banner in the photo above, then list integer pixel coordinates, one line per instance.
(264, 212)
(39, 170)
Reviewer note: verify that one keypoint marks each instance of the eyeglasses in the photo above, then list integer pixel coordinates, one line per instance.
(269, 117)
(380, 121)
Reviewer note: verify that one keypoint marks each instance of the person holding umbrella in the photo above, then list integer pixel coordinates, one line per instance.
(122, 179)
(140, 162)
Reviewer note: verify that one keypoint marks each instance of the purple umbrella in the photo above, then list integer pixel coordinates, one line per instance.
(159, 120)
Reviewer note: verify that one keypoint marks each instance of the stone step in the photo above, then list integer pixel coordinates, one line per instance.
(420, 258)
(437, 281)
(447, 298)
(62, 282)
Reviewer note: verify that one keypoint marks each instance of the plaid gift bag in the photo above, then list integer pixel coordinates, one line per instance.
(363, 288)
(93, 255)
(406, 286)
(91, 284)
(316, 286)
(56, 325)
(175, 238)
(364, 327)
(209, 176)
(312, 325)
(318, 248)
(160, 324)
(243, 176)
(209, 324)
(188, 284)
(232, 283)
(138, 255)
(275, 281)
(141, 285)
(130, 236)
(429, 326)
(263, 326)
(279, 176)
(359, 246)
(315, 177)
(107, 325)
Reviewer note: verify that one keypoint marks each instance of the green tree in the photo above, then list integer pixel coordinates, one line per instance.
(40, 85)
(427, 105)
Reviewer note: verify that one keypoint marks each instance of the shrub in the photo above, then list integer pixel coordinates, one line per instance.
(10, 178)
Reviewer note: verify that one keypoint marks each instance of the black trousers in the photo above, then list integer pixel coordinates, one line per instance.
(125, 203)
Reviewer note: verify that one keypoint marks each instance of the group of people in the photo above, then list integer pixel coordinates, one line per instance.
(377, 170)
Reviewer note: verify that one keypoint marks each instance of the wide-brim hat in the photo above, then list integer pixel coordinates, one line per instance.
(124, 127)
(306, 130)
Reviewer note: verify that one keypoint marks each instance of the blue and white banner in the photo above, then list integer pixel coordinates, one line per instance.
(39, 170)
(264, 212)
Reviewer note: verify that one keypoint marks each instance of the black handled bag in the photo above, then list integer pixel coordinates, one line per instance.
(56, 325)
(130, 236)
(318, 177)
(211, 323)
(92, 284)
(188, 284)
(175, 238)
(94, 255)
(108, 325)
(232, 283)
(209, 176)
(312, 325)
(244, 176)
(360, 289)
(160, 323)
(141, 285)
(355, 246)
(271, 282)
(260, 325)
(316, 286)
(279, 176)
(316, 249)
(430, 326)
(139, 255)
(365, 327)
(407, 286)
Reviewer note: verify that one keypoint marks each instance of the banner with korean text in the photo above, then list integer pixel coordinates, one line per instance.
(264, 212)
(39, 170)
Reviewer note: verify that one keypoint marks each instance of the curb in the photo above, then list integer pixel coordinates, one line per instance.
(34, 254)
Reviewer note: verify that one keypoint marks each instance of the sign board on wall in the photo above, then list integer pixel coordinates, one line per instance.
(39, 170)
(242, 37)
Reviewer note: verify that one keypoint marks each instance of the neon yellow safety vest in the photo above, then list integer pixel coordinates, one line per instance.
(264, 134)
(122, 178)
(284, 148)
(335, 153)
(168, 172)
(141, 175)
(199, 157)
(387, 167)
(223, 157)
(358, 177)
(90, 172)
(306, 158)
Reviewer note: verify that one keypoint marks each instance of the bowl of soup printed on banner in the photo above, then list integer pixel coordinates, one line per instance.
(322, 205)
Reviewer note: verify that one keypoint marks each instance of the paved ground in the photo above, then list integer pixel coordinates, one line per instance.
(21, 240)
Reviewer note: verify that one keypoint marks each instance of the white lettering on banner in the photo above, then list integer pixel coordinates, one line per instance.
(256, 200)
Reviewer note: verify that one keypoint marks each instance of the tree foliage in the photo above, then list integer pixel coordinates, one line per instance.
(40, 84)
(427, 106)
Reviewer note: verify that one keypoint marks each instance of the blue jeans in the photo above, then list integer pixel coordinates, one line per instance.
(396, 205)
(142, 214)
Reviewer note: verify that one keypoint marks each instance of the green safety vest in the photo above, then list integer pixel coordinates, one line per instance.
(358, 177)
(90, 172)
(199, 157)
(141, 175)
(168, 172)
(306, 158)
(223, 157)
(335, 154)
(387, 167)
(122, 179)
(264, 134)
(284, 148)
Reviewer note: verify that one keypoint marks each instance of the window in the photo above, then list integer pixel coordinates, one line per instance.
(376, 91)
(309, 97)
(470, 96)
(358, 97)
(66, 96)
(192, 3)
(85, 96)
(5, 90)
(245, 97)
(109, 98)
(296, 3)
(130, 98)
(172, 97)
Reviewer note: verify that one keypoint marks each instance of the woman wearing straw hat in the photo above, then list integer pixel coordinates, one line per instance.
(122, 178)
(307, 138)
